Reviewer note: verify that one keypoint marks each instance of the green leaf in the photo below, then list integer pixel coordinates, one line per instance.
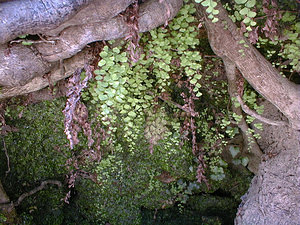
(215, 12)
(109, 103)
(110, 63)
(190, 19)
(115, 84)
(97, 72)
(250, 3)
(209, 9)
(205, 3)
(122, 80)
(244, 11)
(123, 59)
(123, 90)
(248, 28)
(198, 76)
(240, 1)
(116, 50)
(110, 92)
(142, 88)
(234, 150)
(192, 10)
(102, 97)
(27, 43)
(251, 14)
(131, 81)
(287, 17)
(103, 84)
(107, 78)
(132, 114)
(106, 111)
(103, 54)
(176, 27)
(148, 97)
(105, 48)
(127, 106)
(215, 20)
(127, 119)
(246, 20)
(237, 15)
(114, 76)
(145, 106)
(102, 62)
(213, 4)
(259, 126)
(193, 81)
(245, 161)
(199, 94)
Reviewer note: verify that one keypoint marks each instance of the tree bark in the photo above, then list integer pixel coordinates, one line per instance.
(35, 16)
(22, 67)
(255, 153)
(225, 40)
(274, 195)
(20, 64)
(97, 11)
(56, 74)
(73, 39)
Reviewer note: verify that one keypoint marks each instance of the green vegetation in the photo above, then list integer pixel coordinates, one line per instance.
(40, 145)
(159, 126)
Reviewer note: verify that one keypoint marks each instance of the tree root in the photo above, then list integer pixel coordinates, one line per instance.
(21, 64)
(33, 191)
(255, 151)
(254, 114)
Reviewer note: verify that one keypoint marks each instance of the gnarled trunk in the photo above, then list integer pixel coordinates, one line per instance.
(273, 197)
(70, 37)
(225, 40)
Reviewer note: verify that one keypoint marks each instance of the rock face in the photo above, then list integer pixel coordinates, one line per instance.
(274, 195)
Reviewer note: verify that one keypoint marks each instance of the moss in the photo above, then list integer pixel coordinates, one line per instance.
(38, 149)
(129, 181)
(147, 159)
(44, 208)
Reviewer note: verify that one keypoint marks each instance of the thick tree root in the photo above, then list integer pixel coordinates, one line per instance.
(227, 41)
(24, 66)
(250, 143)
